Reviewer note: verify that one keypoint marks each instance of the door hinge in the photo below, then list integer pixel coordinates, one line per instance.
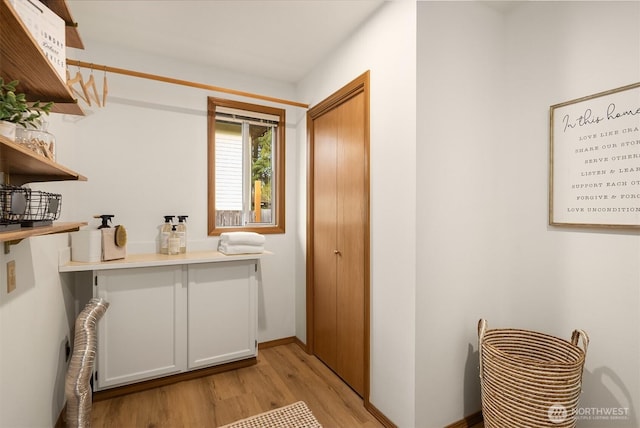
(255, 267)
(95, 281)
(95, 376)
(255, 344)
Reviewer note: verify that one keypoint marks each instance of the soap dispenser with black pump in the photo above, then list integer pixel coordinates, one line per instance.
(165, 234)
(174, 241)
(106, 219)
(181, 228)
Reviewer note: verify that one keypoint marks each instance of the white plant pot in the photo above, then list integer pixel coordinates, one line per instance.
(8, 129)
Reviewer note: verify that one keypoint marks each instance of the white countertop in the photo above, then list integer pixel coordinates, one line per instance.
(147, 260)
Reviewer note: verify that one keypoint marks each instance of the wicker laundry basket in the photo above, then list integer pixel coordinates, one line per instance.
(530, 379)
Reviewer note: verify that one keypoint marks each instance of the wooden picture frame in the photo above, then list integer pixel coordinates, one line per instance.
(594, 160)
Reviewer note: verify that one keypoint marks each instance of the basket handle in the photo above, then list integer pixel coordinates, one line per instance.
(577, 335)
(482, 328)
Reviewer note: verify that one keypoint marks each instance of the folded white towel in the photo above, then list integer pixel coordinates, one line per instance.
(226, 248)
(242, 238)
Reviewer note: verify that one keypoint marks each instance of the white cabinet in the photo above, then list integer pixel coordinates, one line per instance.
(222, 313)
(141, 336)
(164, 320)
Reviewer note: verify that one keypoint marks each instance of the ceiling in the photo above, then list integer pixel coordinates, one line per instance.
(274, 39)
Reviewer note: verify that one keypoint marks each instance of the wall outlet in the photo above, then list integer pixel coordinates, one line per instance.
(11, 276)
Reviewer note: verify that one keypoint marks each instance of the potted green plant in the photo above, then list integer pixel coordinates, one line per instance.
(16, 111)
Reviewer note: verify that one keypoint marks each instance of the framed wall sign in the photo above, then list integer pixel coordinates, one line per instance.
(595, 160)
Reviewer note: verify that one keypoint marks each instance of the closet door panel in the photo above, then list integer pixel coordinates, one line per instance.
(324, 216)
(351, 215)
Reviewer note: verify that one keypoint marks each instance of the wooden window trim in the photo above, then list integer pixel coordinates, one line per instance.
(279, 225)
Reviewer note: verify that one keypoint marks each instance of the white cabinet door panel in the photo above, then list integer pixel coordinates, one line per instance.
(222, 312)
(142, 334)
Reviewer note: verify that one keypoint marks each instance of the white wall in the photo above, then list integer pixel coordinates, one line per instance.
(461, 201)
(484, 246)
(145, 155)
(385, 45)
(35, 321)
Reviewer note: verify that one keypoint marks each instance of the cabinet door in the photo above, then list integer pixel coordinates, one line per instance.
(222, 312)
(142, 334)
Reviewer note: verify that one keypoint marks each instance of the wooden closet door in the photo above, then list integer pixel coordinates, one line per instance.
(324, 225)
(339, 239)
(351, 220)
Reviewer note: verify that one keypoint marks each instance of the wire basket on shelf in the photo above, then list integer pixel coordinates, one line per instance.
(14, 201)
(43, 209)
(23, 207)
(530, 379)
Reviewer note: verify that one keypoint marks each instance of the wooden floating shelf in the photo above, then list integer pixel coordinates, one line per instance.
(26, 166)
(23, 60)
(14, 236)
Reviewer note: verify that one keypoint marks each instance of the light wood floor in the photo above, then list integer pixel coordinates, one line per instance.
(283, 375)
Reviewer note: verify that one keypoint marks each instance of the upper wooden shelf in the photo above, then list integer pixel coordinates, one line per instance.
(23, 60)
(26, 166)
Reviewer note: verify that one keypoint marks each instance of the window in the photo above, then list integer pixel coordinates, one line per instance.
(246, 167)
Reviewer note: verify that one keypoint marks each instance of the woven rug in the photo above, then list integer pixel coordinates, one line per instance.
(296, 415)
